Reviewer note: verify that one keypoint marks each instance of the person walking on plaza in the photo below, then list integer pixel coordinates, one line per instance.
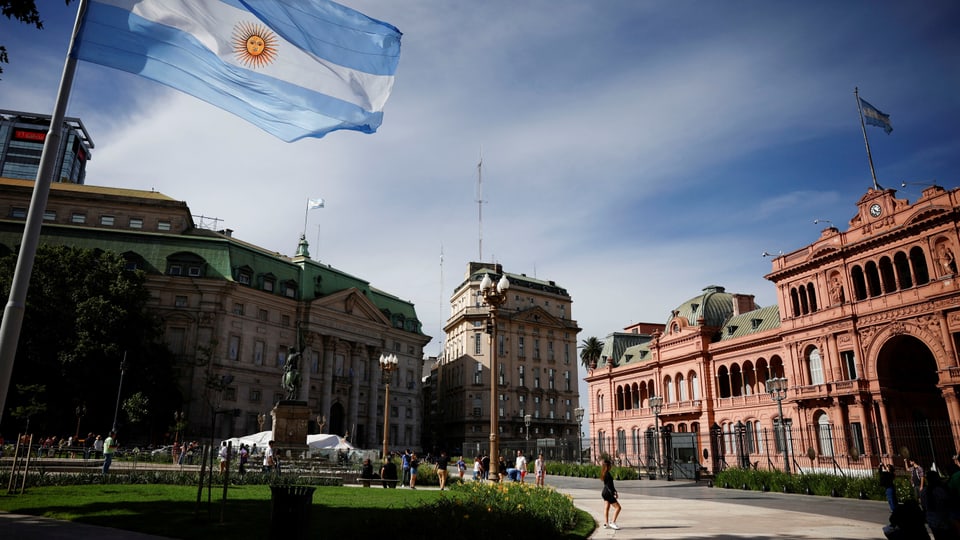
(405, 466)
(610, 496)
(521, 465)
(109, 447)
(478, 468)
(886, 482)
(269, 462)
(461, 467)
(442, 463)
(540, 469)
(485, 467)
(916, 478)
(414, 465)
(501, 469)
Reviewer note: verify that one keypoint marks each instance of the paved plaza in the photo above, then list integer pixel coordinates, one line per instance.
(652, 509)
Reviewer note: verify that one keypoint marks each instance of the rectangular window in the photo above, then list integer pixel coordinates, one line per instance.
(520, 351)
(258, 353)
(254, 396)
(18, 213)
(106, 221)
(78, 219)
(536, 349)
(262, 315)
(268, 285)
(314, 363)
(180, 301)
(238, 309)
(230, 394)
(285, 320)
(49, 215)
(281, 357)
(850, 364)
(233, 348)
(194, 271)
(243, 278)
(856, 437)
(175, 270)
(476, 344)
(163, 225)
(136, 223)
(500, 345)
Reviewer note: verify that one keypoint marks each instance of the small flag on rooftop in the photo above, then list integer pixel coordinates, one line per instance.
(873, 116)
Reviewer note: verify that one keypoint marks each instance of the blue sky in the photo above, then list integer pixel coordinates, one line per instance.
(634, 151)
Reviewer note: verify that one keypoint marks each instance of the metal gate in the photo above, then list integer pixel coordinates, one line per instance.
(681, 450)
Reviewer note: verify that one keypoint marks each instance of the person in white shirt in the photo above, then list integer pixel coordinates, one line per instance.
(269, 463)
(540, 469)
(521, 465)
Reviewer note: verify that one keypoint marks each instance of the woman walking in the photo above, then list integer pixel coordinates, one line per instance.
(414, 465)
(609, 495)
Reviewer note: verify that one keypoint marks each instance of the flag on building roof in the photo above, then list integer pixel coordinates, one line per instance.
(294, 68)
(874, 117)
(315, 203)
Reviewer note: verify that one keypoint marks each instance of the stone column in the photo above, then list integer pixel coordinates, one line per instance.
(329, 349)
(357, 352)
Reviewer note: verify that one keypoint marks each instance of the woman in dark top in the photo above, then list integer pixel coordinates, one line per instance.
(609, 495)
(414, 465)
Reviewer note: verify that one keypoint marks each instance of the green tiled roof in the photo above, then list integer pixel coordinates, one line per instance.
(714, 306)
(617, 343)
(751, 322)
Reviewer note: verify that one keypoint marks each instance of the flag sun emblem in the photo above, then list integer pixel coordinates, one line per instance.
(254, 44)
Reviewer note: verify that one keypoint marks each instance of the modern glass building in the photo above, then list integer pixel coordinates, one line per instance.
(22, 136)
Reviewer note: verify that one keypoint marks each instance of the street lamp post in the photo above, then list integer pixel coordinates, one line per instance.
(777, 388)
(388, 363)
(656, 405)
(81, 412)
(578, 414)
(494, 296)
(526, 421)
(116, 410)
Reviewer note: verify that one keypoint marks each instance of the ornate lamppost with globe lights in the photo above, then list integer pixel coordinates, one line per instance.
(777, 388)
(656, 405)
(578, 414)
(388, 363)
(494, 296)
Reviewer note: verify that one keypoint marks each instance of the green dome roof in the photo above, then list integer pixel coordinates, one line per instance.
(714, 306)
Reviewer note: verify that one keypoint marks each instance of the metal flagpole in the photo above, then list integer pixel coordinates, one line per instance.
(305, 214)
(14, 310)
(866, 142)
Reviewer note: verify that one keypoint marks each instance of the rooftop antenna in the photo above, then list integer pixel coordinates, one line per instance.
(480, 202)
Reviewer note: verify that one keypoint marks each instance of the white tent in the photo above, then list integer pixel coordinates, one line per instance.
(317, 442)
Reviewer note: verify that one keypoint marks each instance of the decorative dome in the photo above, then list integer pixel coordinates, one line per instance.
(714, 306)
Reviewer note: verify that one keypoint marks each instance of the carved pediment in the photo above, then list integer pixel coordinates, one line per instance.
(536, 315)
(353, 303)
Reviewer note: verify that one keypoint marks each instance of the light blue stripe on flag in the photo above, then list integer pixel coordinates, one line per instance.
(275, 77)
(874, 117)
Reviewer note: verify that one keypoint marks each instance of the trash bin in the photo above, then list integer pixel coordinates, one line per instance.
(290, 512)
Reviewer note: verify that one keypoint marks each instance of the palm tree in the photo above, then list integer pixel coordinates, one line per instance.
(590, 351)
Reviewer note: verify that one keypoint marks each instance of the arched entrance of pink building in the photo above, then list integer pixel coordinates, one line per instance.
(912, 418)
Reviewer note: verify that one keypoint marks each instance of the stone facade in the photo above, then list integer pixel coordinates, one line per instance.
(865, 330)
(537, 370)
(231, 308)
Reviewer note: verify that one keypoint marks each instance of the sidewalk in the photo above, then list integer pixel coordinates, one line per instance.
(652, 509)
(657, 509)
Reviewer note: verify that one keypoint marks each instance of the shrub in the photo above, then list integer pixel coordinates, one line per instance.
(851, 487)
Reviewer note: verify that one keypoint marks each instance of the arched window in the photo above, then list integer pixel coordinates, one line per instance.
(919, 262)
(681, 388)
(627, 398)
(635, 440)
(873, 279)
(814, 366)
(824, 434)
(736, 380)
(804, 306)
(723, 382)
(902, 266)
(812, 294)
(886, 275)
(763, 373)
(694, 385)
(749, 379)
(859, 283)
(758, 436)
(776, 367)
(619, 398)
(671, 393)
(795, 302)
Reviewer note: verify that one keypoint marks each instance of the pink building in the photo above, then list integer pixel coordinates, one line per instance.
(865, 332)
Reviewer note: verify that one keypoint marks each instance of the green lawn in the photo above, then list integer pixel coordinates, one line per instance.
(171, 510)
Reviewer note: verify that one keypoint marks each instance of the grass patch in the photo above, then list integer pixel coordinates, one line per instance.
(172, 511)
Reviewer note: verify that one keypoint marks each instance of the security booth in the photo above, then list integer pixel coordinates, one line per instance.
(683, 456)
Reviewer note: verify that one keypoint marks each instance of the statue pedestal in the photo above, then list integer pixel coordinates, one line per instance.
(290, 421)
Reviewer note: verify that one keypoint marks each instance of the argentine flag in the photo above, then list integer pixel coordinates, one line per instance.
(874, 117)
(294, 68)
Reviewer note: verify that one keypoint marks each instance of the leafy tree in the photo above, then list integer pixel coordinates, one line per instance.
(24, 11)
(32, 404)
(590, 351)
(84, 313)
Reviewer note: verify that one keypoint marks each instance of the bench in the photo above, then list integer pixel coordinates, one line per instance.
(374, 482)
